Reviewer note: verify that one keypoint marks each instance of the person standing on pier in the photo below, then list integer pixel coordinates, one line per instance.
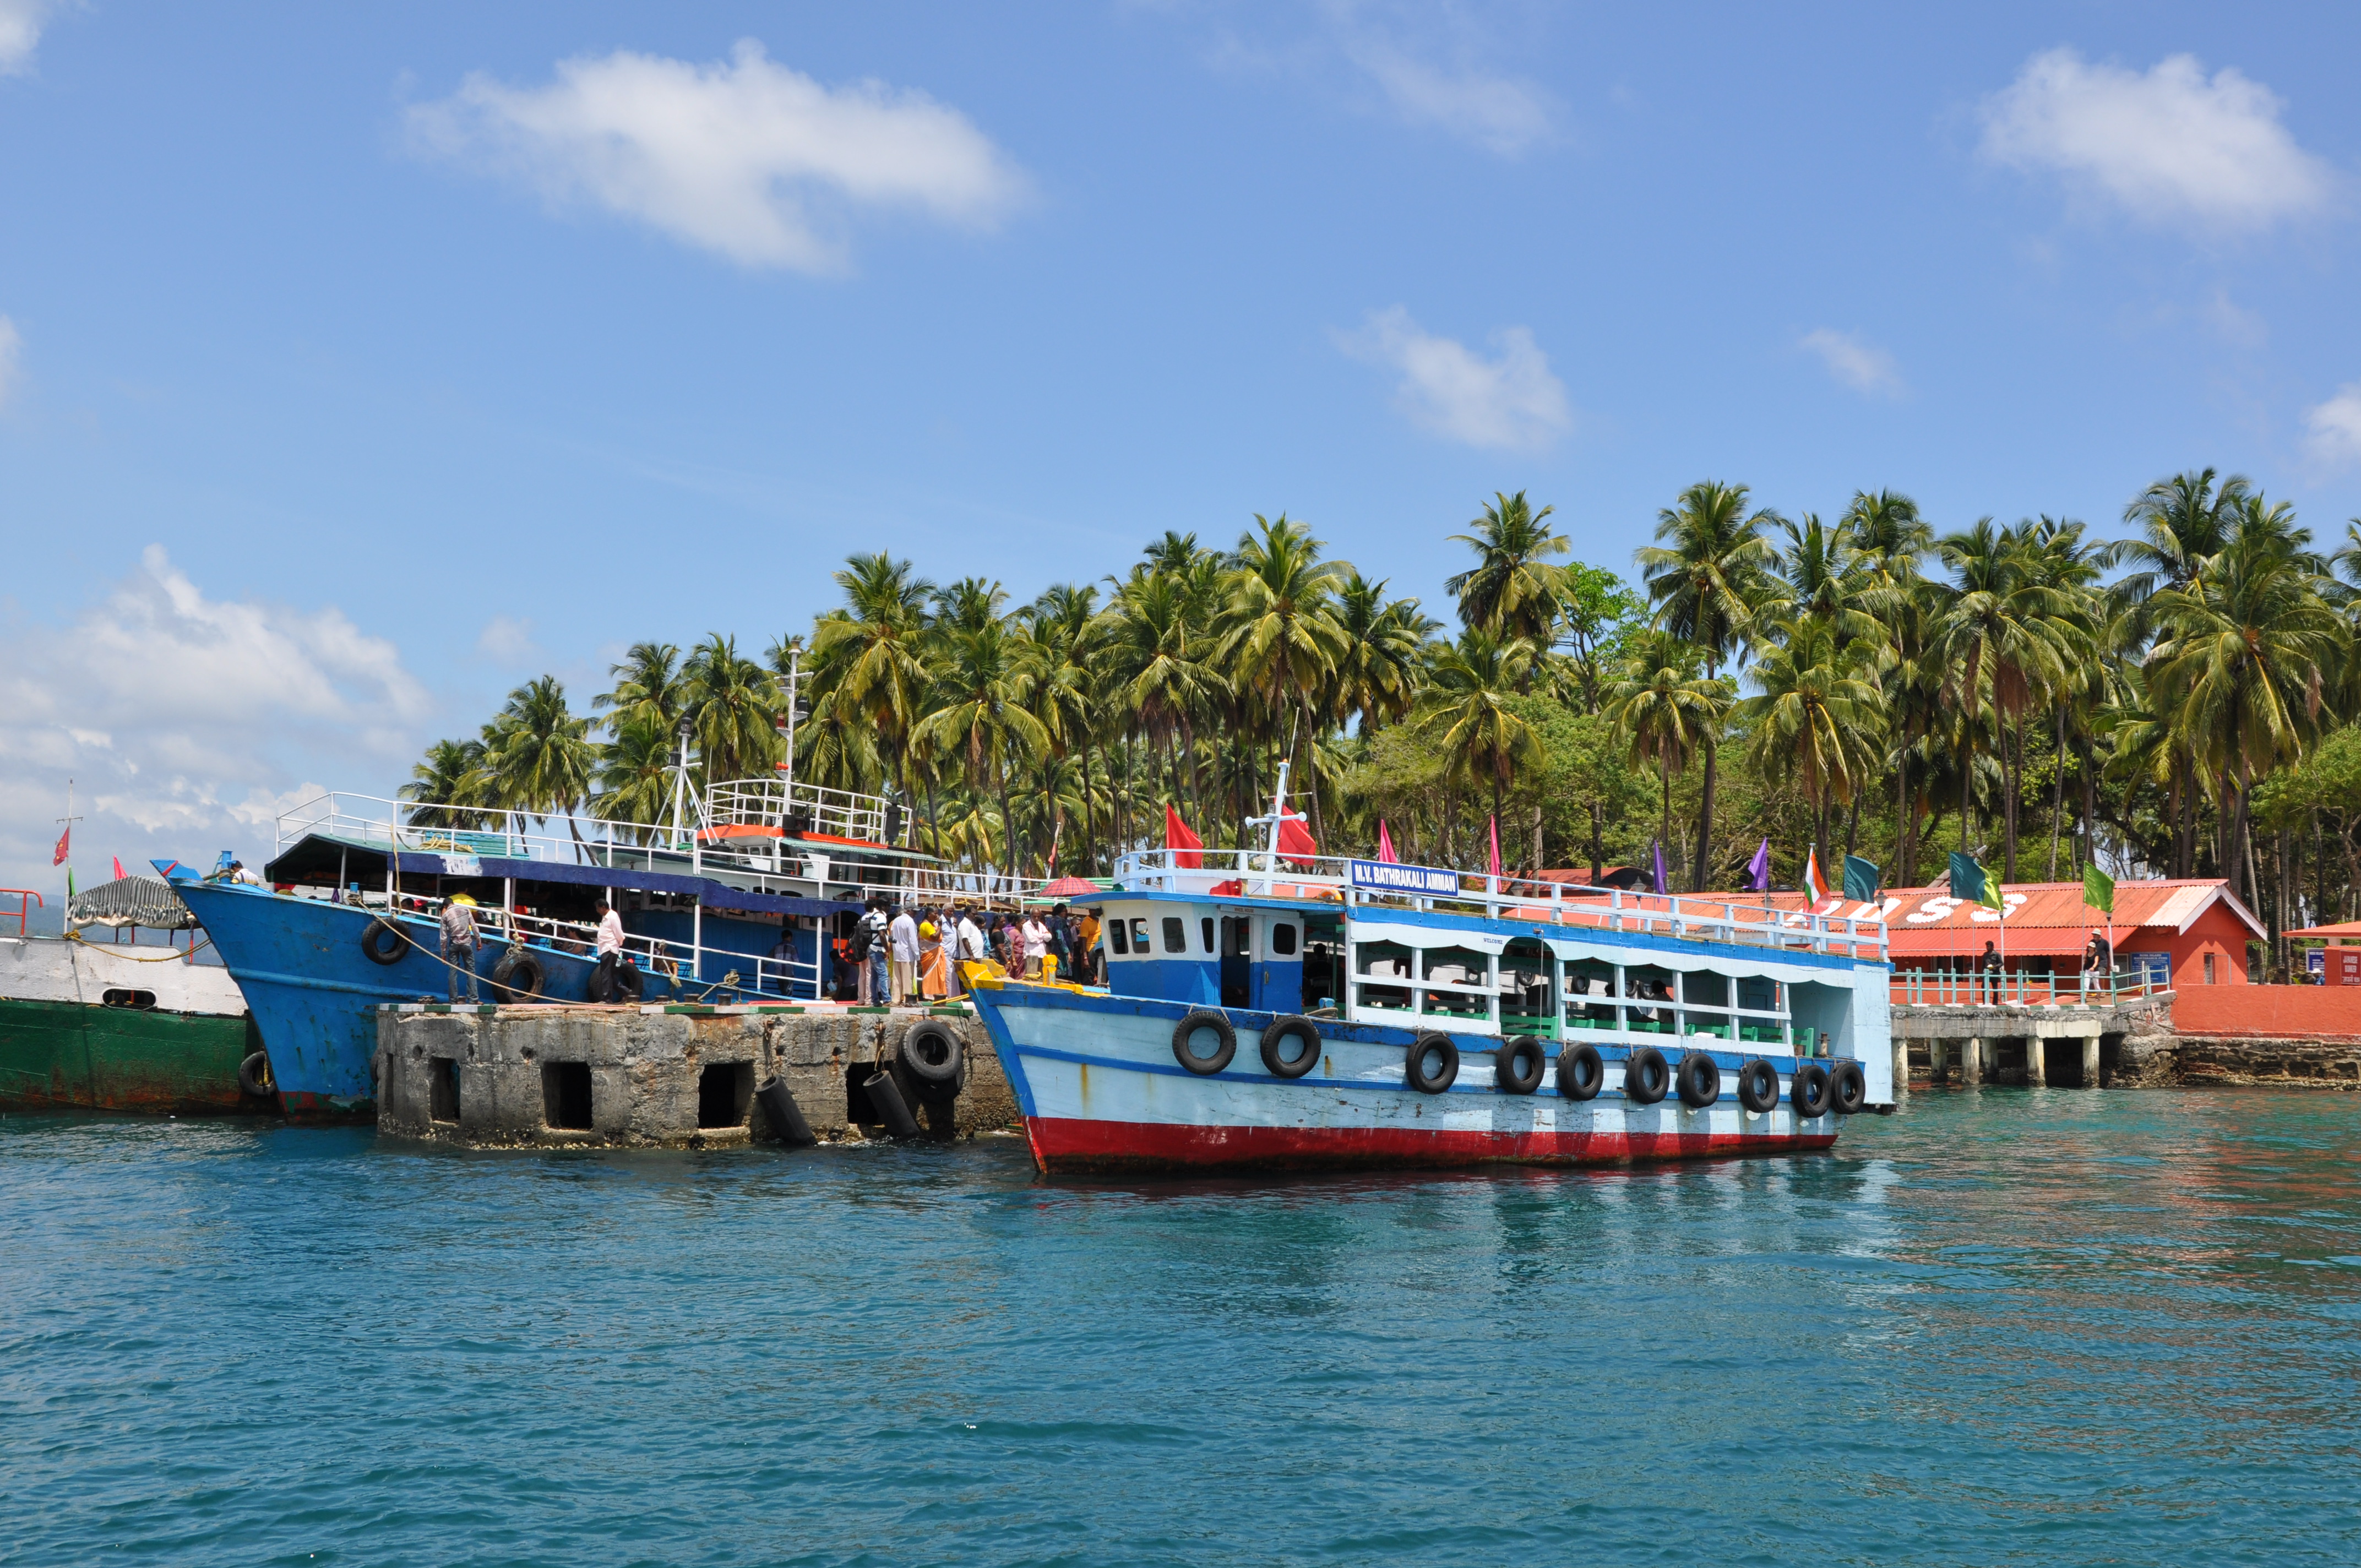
(1988, 972)
(869, 953)
(610, 951)
(459, 942)
(902, 939)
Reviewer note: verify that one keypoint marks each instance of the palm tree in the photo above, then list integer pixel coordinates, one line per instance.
(2007, 636)
(1510, 591)
(648, 688)
(1705, 573)
(1889, 535)
(732, 706)
(539, 756)
(1377, 677)
(2238, 670)
(1280, 637)
(636, 774)
(868, 658)
(1469, 714)
(980, 717)
(1815, 718)
(1663, 710)
(452, 775)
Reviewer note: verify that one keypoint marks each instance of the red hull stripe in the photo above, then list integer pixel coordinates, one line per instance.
(1062, 1143)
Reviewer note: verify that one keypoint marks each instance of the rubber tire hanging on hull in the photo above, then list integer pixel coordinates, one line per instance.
(1519, 1067)
(1699, 1080)
(1757, 1086)
(1276, 1035)
(1847, 1087)
(934, 1054)
(254, 1076)
(1645, 1076)
(1186, 1030)
(1580, 1072)
(1808, 1090)
(518, 977)
(391, 952)
(1446, 1070)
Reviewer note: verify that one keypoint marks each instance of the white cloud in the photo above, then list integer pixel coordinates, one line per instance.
(2166, 144)
(2334, 427)
(1860, 365)
(747, 158)
(183, 718)
(12, 347)
(20, 31)
(1496, 113)
(1511, 401)
(505, 640)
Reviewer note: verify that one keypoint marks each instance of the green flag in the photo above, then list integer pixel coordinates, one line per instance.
(2098, 889)
(1967, 878)
(1861, 878)
(1990, 897)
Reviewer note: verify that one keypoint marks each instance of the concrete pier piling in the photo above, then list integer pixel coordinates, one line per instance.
(554, 1076)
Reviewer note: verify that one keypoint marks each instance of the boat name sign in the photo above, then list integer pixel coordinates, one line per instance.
(1387, 876)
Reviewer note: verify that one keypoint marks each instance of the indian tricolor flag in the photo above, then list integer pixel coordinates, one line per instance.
(1816, 886)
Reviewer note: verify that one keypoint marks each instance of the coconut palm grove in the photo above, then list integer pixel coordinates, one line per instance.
(2176, 698)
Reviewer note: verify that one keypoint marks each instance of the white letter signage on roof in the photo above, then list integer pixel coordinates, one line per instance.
(1417, 882)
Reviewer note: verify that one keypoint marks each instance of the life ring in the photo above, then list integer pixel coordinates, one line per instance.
(518, 977)
(1847, 1087)
(1184, 1034)
(1757, 1086)
(934, 1054)
(1580, 1072)
(1698, 1079)
(1807, 1092)
(384, 942)
(1274, 1043)
(628, 980)
(1439, 1076)
(1519, 1067)
(254, 1076)
(1645, 1076)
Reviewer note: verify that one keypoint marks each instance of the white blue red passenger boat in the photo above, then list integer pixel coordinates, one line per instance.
(736, 902)
(1296, 1011)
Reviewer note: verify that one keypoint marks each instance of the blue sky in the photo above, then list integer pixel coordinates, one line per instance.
(361, 363)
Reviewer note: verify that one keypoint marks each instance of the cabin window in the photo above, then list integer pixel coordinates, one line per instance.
(1649, 983)
(144, 998)
(1704, 1001)
(1757, 995)
(1176, 935)
(1388, 960)
(1282, 938)
(1140, 937)
(1526, 1006)
(1116, 936)
(1590, 986)
(1234, 936)
(1206, 928)
(1458, 983)
(2208, 968)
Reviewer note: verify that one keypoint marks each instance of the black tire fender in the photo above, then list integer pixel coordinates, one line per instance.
(1580, 1072)
(1441, 1075)
(1274, 1037)
(1757, 1086)
(1645, 1076)
(1808, 1090)
(1699, 1080)
(519, 977)
(1187, 1030)
(254, 1076)
(1847, 1087)
(932, 1052)
(385, 942)
(1519, 1067)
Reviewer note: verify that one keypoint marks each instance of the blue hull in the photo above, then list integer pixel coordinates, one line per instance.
(313, 991)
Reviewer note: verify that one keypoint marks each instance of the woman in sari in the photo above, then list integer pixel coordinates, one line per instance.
(933, 964)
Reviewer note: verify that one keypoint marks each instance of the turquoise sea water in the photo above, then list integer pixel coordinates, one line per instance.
(2007, 1326)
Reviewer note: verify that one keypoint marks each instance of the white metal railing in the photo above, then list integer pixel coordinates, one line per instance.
(1689, 918)
(776, 802)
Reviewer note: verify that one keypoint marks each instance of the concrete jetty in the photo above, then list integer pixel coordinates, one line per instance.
(540, 1075)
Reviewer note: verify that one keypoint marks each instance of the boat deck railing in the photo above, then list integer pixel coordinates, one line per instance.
(775, 803)
(27, 902)
(1687, 917)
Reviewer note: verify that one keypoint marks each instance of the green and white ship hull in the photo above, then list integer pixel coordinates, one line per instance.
(98, 1026)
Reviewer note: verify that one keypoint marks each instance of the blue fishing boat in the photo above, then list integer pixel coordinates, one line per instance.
(1295, 1011)
(737, 901)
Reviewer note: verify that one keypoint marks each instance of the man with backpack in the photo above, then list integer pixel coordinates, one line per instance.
(869, 952)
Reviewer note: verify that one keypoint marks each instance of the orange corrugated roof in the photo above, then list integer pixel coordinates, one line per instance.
(2053, 919)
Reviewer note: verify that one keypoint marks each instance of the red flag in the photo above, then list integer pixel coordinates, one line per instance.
(118, 868)
(1177, 836)
(65, 843)
(1295, 843)
(1385, 843)
(1492, 869)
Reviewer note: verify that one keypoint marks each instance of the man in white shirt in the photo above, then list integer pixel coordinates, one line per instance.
(967, 947)
(869, 953)
(1036, 944)
(610, 953)
(902, 945)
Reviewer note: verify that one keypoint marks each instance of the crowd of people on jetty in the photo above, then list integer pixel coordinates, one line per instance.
(907, 953)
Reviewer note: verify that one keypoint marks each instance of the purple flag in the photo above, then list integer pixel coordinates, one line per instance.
(1664, 883)
(1758, 869)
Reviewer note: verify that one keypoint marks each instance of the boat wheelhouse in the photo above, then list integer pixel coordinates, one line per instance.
(738, 900)
(1328, 1011)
